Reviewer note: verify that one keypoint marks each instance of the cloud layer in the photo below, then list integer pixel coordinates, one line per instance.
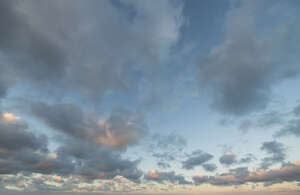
(241, 71)
(242, 175)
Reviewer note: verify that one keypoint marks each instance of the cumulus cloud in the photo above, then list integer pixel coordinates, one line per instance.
(264, 120)
(197, 158)
(210, 167)
(247, 159)
(296, 110)
(293, 126)
(93, 146)
(242, 175)
(241, 71)
(23, 151)
(91, 162)
(277, 153)
(160, 177)
(163, 165)
(229, 159)
(118, 131)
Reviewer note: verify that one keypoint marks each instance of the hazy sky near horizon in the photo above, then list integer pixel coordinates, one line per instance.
(149, 97)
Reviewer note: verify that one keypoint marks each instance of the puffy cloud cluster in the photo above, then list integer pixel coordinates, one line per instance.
(198, 158)
(277, 153)
(160, 177)
(293, 125)
(23, 151)
(264, 120)
(92, 162)
(238, 176)
(230, 158)
(94, 146)
(119, 130)
(45, 183)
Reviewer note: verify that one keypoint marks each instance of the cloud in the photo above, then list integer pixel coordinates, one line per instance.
(92, 162)
(264, 120)
(242, 175)
(197, 158)
(71, 44)
(91, 145)
(29, 49)
(23, 151)
(210, 167)
(296, 110)
(14, 137)
(160, 177)
(119, 130)
(277, 153)
(249, 158)
(293, 126)
(228, 159)
(171, 141)
(163, 165)
(240, 72)
(166, 148)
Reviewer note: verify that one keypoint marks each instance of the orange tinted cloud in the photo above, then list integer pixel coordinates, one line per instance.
(289, 173)
(10, 117)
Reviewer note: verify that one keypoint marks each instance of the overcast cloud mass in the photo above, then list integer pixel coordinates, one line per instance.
(149, 97)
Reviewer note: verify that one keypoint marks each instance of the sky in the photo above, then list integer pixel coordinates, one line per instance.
(149, 97)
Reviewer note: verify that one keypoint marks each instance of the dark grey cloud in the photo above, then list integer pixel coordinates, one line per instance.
(163, 165)
(71, 47)
(240, 72)
(14, 136)
(114, 66)
(296, 110)
(268, 119)
(92, 162)
(277, 153)
(165, 156)
(247, 159)
(292, 128)
(161, 177)
(196, 158)
(71, 44)
(293, 125)
(210, 167)
(28, 48)
(119, 130)
(242, 175)
(23, 151)
(91, 145)
(228, 159)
